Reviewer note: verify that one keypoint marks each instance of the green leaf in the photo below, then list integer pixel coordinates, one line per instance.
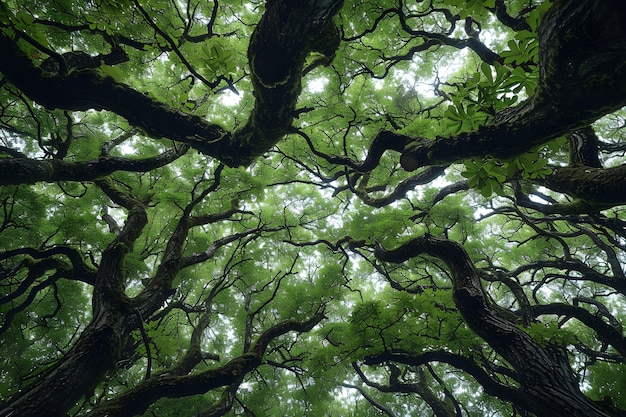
(25, 18)
(110, 71)
(486, 70)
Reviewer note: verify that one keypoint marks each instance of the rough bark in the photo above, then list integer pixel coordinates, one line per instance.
(99, 347)
(286, 34)
(593, 189)
(548, 385)
(583, 144)
(59, 390)
(599, 187)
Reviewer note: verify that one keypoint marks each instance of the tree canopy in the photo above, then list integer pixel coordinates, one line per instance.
(312, 207)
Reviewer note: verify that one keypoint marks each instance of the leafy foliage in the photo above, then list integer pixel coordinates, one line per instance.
(147, 267)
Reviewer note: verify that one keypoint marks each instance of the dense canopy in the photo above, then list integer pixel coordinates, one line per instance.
(312, 208)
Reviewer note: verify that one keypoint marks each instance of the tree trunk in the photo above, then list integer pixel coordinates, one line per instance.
(77, 375)
(99, 346)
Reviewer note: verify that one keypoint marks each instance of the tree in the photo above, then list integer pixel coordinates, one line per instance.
(312, 207)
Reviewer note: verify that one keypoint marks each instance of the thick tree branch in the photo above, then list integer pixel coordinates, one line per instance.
(109, 289)
(599, 187)
(517, 23)
(197, 258)
(135, 401)
(543, 373)
(577, 47)
(490, 385)
(594, 190)
(279, 45)
(82, 271)
(433, 39)
(584, 147)
(87, 89)
(29, 171)
(98, 347)
(424, 177)
(276, 58)
(605, 332)
(385, 140)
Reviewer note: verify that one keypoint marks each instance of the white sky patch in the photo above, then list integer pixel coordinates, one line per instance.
(230, 99)
(537, 199)
(414, 77)
(423, 85)
(316, 85)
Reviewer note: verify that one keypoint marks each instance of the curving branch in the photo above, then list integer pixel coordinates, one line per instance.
(370, 400)
(276, 59)
(384, 141)
(490, 385)
(81, 270)
(423, 177)
(136, 401)
(87, 89)
(515, 288)
(517, 23)
(35, 270)
(450, 189)
(172, 44)
(109, 294)
(577, 47)
(197, 258)
(546, 379)
(423, 388)
(606, 332)
(434, 39)
(29, 171)
(572, 265)
(77, 270)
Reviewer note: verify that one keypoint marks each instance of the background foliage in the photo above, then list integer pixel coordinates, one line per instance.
(293, 236)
